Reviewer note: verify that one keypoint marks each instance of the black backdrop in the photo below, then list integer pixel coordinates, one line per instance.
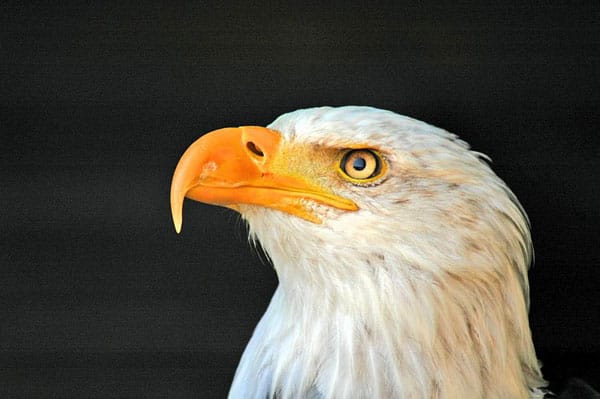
(98, 295)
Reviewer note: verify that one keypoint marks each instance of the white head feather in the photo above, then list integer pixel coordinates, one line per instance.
(421, 293)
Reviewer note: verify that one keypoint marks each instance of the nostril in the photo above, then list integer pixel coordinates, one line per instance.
(254, 149)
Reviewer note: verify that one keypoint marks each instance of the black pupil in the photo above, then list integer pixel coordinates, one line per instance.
(359, 163)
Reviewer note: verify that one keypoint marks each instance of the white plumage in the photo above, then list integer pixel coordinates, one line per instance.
(420, 293)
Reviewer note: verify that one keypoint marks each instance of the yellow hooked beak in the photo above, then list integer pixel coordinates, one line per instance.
(234, 166)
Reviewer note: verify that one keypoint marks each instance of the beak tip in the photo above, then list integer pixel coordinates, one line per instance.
(177, 221)
(177, 211)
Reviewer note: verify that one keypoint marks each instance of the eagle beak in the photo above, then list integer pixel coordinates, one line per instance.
(234, 166)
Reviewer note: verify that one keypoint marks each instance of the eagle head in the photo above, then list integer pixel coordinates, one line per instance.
(402, 258)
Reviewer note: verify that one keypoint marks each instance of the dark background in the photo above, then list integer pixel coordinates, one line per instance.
(98, 295)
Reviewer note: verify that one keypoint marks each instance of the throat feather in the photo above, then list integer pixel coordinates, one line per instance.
(384, 334)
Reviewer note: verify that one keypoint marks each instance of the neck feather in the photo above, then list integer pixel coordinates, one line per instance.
(394, 331)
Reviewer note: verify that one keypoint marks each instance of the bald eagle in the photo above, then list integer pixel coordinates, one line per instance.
(402, 258)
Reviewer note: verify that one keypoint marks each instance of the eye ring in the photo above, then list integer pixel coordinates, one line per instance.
(361, 165)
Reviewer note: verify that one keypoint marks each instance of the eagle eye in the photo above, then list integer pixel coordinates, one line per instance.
(361, 165)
